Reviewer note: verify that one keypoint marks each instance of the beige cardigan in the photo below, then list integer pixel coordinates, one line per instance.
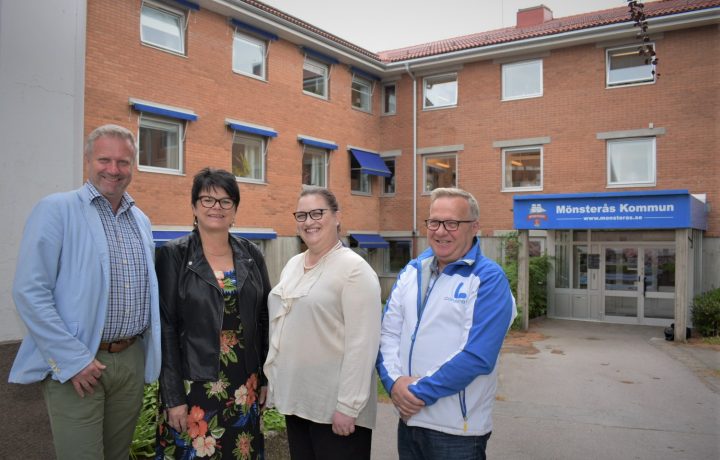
(324, 338)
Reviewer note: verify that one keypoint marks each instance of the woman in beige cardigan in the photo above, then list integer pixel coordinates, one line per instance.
(324, 333)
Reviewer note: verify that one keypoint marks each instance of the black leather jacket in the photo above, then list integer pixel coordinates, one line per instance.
(191, 312)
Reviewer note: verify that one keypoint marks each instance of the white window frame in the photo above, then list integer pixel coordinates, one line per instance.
(252, 41)
(610, 83)
(508, 152)
(440, 79)
(315, 151)
(521, 67)
(364, 179)
(385, 180)
(240, 136)
(166, 125)
(365, 90)
(386, 109)
(651, 162)
(324, 75)
(386, 254)
(179, 17)
(428, 156)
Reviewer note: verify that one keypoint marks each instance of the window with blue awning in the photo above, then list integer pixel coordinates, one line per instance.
(371, 163)
(250, 128)
(163, 236)
(320, 143)
(370, 240)
(163, 110)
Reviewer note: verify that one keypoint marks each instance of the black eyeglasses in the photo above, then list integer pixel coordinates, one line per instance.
(315, 214)
(209, 202)
(450, 225)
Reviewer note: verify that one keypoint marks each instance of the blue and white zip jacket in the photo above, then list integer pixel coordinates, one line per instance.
(449, 338)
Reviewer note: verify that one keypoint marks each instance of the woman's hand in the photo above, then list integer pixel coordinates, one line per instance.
(343, 425)
(177, 417)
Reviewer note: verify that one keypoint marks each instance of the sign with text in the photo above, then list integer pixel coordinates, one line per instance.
(613, 210)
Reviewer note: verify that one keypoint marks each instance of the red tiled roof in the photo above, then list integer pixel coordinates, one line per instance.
(508, 34)
(554, 26)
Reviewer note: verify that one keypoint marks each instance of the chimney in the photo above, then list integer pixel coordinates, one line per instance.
(533, 16)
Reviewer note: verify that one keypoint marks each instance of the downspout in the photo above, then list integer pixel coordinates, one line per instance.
(414, 154)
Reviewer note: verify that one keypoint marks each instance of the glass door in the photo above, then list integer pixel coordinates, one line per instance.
(639, 284)
(621, 282)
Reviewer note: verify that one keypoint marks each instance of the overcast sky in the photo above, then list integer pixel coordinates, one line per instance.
(379, 25)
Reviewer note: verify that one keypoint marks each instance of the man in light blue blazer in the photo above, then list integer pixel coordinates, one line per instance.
(85, 286)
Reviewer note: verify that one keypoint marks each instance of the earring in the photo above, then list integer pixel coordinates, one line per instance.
(195, 222)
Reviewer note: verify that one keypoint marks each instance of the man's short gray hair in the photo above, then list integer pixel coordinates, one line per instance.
(460, 193)
(109, 130)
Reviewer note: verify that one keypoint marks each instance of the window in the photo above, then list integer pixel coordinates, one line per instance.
(248, 56)
(248, 157)
(389, 102)
(359, 181)
(314, 166)
(625, 66)
(361, 93)
(522, 168)
(440, 171)
(389, 182)
(440, 91)
(522, 80)
(160, 146)
(315, 78)
(631, 162)
(162, 27)
(397, 255)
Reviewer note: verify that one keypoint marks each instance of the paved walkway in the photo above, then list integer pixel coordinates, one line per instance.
(579, 391)
(598, 391)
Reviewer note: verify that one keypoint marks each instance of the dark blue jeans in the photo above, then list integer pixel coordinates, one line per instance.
(416, 443)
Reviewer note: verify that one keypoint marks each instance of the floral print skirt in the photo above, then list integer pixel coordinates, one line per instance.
(224, 416)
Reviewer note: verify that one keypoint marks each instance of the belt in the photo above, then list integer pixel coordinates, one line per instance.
(118, 345)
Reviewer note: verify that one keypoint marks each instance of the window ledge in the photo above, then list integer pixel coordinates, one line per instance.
(166, 50)
(630, 185)
(316, 96)
(244, 180)
(154, 170)
(522, 189)
(358, 109)
(250, 75)
(519, 98)
(630, 83)
(358, 193)
(430, 109)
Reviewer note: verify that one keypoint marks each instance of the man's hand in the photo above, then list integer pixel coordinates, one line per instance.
(343, 425)
(86, 379)
(403, 399)
(176, 417)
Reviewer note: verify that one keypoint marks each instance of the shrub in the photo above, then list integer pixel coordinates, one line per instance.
(539, 267)
(706, 313)
(143, 443)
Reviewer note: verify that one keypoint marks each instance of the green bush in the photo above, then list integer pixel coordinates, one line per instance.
(539, 267)
(706, 313)
(143, 443)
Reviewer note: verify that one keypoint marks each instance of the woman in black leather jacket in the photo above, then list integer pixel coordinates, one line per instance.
(213, 305)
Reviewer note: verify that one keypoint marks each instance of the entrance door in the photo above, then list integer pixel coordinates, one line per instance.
(639, 284)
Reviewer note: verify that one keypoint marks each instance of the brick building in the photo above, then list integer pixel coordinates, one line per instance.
(550, 106)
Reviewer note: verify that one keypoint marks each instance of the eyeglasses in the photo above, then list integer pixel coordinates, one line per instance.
(315, 214)
(209, 202)
(450, 225)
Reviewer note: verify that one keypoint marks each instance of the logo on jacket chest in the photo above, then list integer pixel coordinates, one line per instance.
(459, 295)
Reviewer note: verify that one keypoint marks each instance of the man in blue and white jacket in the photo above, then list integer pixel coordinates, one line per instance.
(442, 330)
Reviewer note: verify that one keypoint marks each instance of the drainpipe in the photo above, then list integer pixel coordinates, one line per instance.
(414, 154)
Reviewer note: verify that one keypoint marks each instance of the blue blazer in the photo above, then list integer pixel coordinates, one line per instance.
(61, 289)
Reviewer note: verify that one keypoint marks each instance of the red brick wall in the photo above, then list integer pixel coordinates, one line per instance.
(574, 107)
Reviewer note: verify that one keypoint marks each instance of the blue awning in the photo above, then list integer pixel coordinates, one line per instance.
(163, 236)
(252, 129)
(366, 240)
(371, 163)
(256, 30)
(320, 56)
(318, 143)
(363, 73)
(188, 4)
(164, 110)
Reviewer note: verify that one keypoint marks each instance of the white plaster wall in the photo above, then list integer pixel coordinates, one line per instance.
(42, 60)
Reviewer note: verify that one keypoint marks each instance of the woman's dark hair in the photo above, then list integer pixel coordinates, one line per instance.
(209, 178)
(323, 192)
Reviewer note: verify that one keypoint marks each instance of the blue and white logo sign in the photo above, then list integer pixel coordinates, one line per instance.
(618, 210)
